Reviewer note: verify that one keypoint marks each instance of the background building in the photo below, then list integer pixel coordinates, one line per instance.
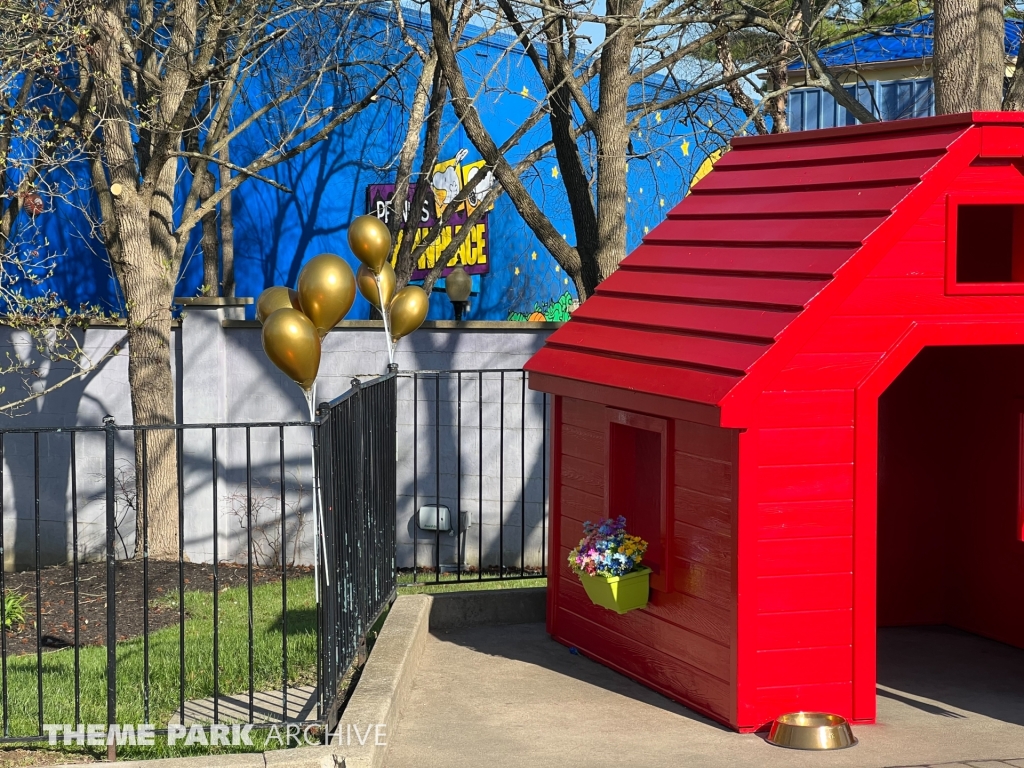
(889, 71)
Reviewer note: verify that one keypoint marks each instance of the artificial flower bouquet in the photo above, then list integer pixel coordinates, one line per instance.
(607, 562)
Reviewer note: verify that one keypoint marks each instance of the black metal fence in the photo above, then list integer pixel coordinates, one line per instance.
(189, 581)
(174, 574)
(357, 470)
(473, 476)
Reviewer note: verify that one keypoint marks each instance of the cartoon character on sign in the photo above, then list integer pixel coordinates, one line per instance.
(445, 182)
(480, 191)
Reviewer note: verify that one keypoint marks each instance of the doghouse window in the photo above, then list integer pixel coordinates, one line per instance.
(636, 482)
(988, 255)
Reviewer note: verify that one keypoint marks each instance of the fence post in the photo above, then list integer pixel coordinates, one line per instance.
(109, 430)
(359, 572)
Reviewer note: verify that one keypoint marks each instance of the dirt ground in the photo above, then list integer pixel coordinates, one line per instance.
(20, 758)
(58, 612)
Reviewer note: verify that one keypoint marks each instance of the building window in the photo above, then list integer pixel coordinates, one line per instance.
(985, 247)
(637, 483)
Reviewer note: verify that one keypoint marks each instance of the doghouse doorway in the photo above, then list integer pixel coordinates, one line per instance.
(950, 549)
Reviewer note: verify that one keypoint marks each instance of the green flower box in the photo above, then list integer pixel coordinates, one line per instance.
(618, 593)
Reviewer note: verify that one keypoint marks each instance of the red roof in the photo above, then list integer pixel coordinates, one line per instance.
(694, 309)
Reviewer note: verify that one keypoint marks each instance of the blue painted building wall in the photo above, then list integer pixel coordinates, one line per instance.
(276, 233)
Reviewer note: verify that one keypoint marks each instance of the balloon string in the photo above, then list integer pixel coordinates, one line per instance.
(384, 313)
(319, 537)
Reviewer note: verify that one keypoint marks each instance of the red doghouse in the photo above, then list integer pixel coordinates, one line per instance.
(805, 390)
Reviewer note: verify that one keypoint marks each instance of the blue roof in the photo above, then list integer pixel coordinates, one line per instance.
(908, 40)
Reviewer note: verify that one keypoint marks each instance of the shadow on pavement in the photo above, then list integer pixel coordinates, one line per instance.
(530, 643)
(952, 668)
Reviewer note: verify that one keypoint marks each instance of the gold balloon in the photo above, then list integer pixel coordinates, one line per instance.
(274, 298)
(408, 311)
(367, 283)
(370, 241)
(327, 289)
(292, 344)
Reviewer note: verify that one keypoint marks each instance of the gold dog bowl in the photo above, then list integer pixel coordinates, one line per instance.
(811, 730)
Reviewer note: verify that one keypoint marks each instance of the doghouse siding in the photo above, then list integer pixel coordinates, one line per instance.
(803, 528)
(805, 479)
(681, 643)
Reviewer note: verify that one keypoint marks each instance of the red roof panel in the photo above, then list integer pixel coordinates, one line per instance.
(691, 311)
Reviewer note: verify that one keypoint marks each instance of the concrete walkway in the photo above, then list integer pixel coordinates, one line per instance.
(510, 697)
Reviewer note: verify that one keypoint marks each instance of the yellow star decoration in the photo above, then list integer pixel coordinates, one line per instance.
(639, 134)
(557, 268)
(685, 146)
(554, 172)
(564, 236)
(533, 255)
(641, 190)
(657, 117)
(658, 163)
(629, 199)
(525, 91)
(566, 281)
(646, 230)
(662, 202)
(517, 270)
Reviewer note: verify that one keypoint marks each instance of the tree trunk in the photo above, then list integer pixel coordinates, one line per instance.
(227, 228)
(991, 55)
(612, 143)
(149, 375)
(209, 241)
(141, 245)
(778, 74)
(426, 92)
(778, 77)
(955, 64)
(149, 281)
(723, 47)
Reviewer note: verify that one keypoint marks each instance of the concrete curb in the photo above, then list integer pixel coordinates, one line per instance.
(301, 757)
(384, 683)
(455, 610)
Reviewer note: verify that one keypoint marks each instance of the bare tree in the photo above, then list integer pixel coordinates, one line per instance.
(596, 96)
(424, 137)
(151, 94)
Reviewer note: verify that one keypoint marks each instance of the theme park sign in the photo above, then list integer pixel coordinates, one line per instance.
(445, 184)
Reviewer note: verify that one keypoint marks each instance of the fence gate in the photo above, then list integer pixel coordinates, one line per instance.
(356, 448)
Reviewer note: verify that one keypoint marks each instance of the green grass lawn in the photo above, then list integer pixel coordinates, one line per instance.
(164, 664)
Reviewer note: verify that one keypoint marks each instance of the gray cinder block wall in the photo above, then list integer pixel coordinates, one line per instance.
(222, 376)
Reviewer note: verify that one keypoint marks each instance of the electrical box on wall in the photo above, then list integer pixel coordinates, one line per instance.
(440, 518)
